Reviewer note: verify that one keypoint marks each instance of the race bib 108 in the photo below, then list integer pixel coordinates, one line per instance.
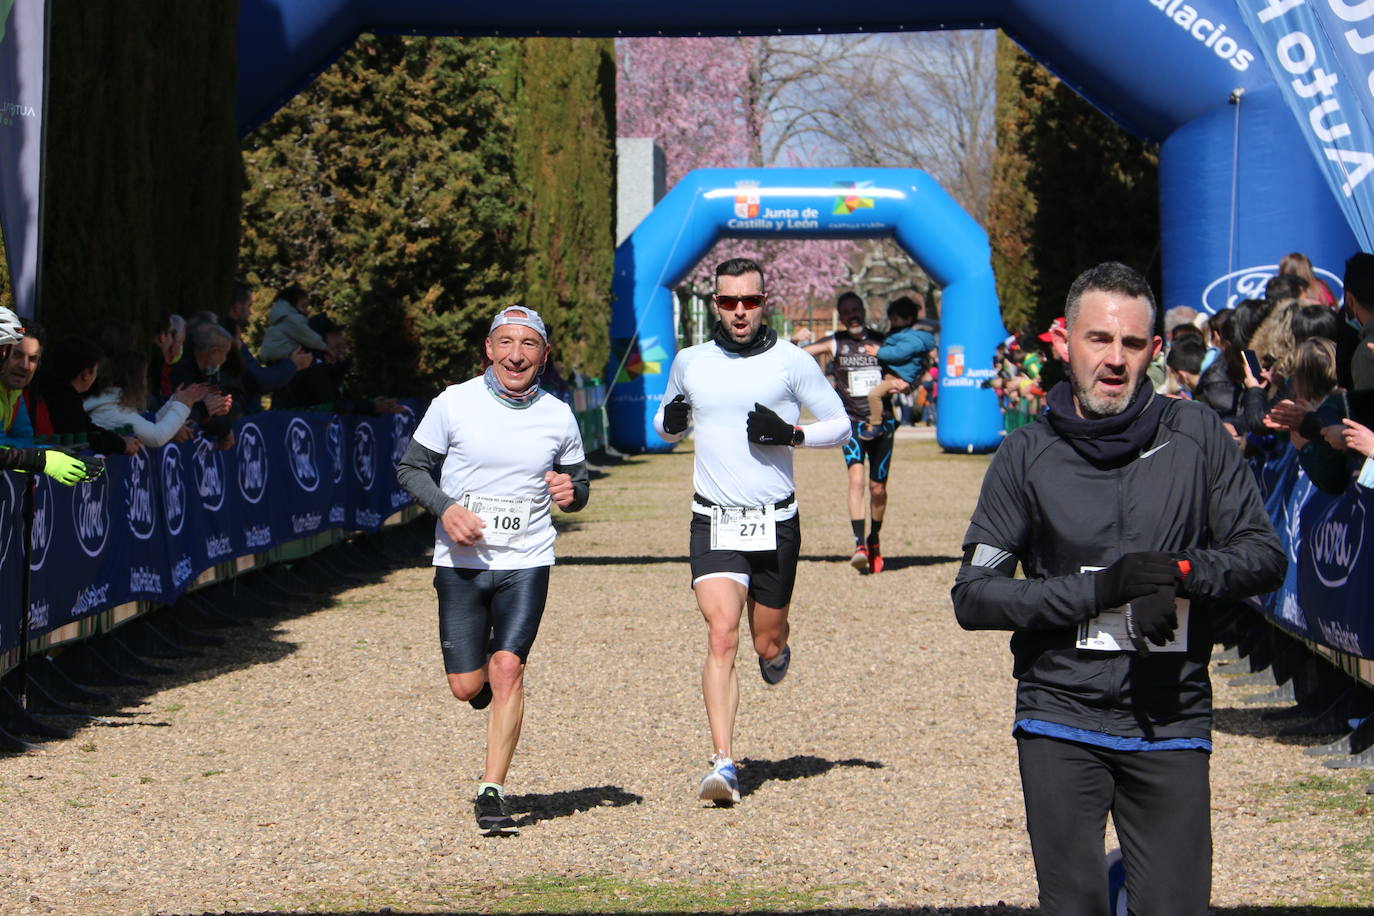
(507, 517)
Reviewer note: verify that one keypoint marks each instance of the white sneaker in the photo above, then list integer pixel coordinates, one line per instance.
(721, 785)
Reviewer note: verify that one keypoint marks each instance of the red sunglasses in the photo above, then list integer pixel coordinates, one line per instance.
(730, 303)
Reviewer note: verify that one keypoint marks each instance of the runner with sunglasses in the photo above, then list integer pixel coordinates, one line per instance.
(744, 390)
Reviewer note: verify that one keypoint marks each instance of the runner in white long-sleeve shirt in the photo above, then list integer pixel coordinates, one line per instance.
(744, 391)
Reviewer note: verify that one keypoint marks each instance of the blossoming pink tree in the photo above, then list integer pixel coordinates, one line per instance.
(707, 102)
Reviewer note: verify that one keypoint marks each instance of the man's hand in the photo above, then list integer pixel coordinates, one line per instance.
(185, 434)
(675, 414)
(900, 385)
(871, 349)
(1134, 575)
(461, 526)
(767, 428)
(63, 468)
(1151, 618)
(300, 359)
(560, 488)
(131, 444)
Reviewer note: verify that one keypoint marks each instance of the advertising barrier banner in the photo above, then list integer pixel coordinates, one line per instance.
(156, 520)
(1326, 594)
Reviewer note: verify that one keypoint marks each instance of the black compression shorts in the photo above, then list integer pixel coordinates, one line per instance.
(770, 574)
(877, 452)
(482, 611)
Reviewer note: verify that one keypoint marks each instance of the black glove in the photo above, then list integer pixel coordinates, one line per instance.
(1134, 576)
(1152, 617)
(767, 428)
(675, 414)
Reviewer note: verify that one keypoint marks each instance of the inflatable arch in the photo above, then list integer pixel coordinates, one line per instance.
(1238, 184)
(708, 204)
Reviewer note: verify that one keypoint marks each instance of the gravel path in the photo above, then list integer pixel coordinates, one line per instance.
(316, 761)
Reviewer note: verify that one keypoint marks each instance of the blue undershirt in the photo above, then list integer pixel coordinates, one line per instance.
(1111, 742)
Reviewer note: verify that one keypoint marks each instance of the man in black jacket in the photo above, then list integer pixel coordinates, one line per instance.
(1131, 516)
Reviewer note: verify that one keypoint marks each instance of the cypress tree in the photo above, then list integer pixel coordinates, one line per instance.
(1071, 189)
(142, 173)
(565, 149)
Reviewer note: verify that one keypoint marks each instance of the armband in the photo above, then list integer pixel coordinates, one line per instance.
(1003, 561)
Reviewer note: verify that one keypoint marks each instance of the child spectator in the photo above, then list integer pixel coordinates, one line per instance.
(905, 356)
(287, 326)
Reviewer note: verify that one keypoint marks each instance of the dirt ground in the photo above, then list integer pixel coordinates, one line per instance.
(315, 761)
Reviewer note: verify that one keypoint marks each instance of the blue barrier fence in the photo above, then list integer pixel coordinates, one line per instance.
(155, 521)
(1328, 595)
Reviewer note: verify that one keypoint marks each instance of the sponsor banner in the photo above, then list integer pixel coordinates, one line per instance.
(156, 520)
(23, 47)
(1328, 540)
(1320, 55)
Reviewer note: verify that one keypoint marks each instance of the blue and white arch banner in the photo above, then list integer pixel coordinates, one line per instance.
(157, 520)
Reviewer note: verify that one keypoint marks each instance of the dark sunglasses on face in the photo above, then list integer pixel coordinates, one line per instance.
(730, 303)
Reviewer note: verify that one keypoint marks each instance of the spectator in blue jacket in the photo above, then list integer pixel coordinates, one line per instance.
(905, 355)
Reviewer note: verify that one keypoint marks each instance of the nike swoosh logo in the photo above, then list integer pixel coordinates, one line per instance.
(1155, 449)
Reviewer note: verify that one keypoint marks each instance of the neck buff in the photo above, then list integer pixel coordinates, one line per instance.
(1110, 439)
(517, 399)
(762, 341)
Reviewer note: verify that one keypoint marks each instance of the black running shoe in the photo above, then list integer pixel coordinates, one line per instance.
(493, 814)
(482, 698)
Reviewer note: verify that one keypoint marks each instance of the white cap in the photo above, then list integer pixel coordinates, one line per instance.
(519, 314)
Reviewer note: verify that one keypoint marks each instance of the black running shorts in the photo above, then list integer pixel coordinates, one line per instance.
(482, 611)
(877, 452)
(771, 573)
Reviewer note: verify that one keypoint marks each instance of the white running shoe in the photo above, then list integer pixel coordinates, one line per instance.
(721, 785)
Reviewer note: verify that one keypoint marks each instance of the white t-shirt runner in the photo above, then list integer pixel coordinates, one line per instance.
(496, 456)
(722, 388)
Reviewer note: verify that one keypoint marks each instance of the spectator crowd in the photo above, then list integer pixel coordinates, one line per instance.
(1293, 368)
(110, 391)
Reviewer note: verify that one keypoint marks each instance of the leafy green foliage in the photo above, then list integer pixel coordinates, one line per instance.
(420, 184)
(388, 189)
(1070, 189)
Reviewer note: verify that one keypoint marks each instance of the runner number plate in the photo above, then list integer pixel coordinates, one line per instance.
(743, 528)
(507, 517)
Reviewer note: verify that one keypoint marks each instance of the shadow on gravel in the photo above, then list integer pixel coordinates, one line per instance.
(999, 910)
(108, 680)
(893, 563)
(889, 563)
(1267, 722)
(754, 773)
(548, 805)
